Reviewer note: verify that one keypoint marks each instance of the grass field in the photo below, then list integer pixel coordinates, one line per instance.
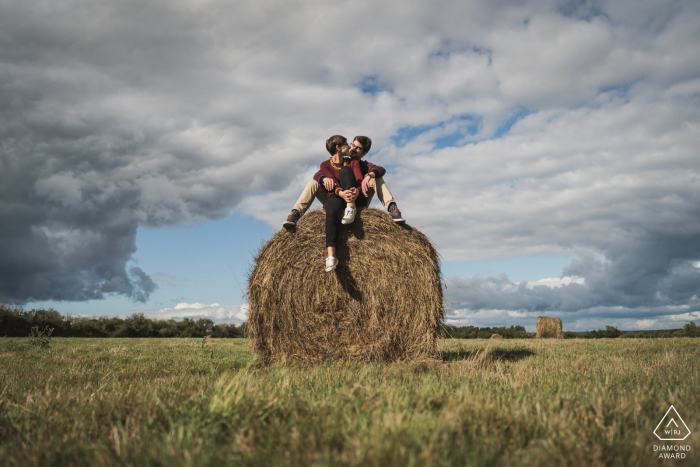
(506, 402)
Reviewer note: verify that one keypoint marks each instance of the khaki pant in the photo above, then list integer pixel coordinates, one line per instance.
(317, 190)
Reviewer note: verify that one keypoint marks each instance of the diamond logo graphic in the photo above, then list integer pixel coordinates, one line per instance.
(672, 427)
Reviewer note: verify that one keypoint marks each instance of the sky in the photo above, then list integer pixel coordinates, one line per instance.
(549, 149)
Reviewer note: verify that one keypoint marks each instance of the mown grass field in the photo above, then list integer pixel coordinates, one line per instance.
(489, 402)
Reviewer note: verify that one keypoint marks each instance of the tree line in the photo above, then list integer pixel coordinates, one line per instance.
(473, 332)
(16, 322)
(518, 332)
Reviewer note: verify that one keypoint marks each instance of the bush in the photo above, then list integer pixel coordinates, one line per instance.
(227, 330)
(473, 332)
(15, 322)
(691, 330)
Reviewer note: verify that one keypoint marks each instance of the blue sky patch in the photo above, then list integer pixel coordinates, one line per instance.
(405, 134)
(520, 268)
(466, 125)
(619, 90)
(370, 85)
(205, 263)
(508, 124)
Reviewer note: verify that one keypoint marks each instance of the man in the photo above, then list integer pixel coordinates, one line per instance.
(373, 182)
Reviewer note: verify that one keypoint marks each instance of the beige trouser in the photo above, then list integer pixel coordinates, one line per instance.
(317, 190)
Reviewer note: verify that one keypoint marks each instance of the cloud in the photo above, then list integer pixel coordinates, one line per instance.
(623, 318)
(554, 282)
(653, 280)
(228, 314)
(508, 128)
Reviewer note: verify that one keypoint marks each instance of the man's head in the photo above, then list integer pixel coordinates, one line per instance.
(337, 143)
(360, 146)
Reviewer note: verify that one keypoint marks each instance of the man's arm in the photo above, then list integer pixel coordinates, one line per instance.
(371, 171)
(377, 170)
(318, 176)
(328, 183)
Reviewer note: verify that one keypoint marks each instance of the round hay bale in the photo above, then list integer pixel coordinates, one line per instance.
(382, 303)
(549, 328)
(496, 336)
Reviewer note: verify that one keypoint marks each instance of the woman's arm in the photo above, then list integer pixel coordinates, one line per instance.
(328, 172)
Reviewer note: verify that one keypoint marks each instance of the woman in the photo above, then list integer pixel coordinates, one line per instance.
(347, 177)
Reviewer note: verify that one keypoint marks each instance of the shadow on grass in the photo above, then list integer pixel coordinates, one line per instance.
(505, 355)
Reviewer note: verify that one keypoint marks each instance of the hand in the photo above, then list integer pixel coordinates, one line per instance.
(348, 195)
(329, 183)
(365, 183)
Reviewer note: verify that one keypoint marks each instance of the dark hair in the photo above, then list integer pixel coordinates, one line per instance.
(333, 141)
(365, 142)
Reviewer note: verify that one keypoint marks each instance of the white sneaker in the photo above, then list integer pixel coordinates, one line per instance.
(349, 216)
(331, 263)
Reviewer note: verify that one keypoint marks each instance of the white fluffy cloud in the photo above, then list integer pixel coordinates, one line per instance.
(623, 319)
(218, 313)
(508, 128)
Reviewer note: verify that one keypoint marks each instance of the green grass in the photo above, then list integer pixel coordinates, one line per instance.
(514, 402)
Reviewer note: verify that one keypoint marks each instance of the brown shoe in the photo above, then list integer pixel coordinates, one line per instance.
(291, 220)
(396, 214)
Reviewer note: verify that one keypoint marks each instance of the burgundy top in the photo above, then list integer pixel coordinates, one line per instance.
(365, 167)
(329, 171)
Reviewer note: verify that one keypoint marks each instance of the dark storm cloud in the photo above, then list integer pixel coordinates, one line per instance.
(658, 275)
(84, 157)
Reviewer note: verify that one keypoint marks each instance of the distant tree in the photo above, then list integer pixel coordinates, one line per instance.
(205, 325)
(690, 330)
(611, 331)
(226, 330)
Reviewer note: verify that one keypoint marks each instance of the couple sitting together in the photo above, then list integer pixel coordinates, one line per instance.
(344, 184)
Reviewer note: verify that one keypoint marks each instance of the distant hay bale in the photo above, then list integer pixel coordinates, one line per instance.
(496, 336)
(382, 303)
(549, 328)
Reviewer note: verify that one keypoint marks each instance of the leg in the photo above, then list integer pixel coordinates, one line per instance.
(334, 211)
(347, 181)
(370, 193)
(312, 190)
(347, 178)
(321, 194)
(377, 185)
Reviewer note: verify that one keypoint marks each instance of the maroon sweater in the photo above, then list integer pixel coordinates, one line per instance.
(329, 171)
(365, 167)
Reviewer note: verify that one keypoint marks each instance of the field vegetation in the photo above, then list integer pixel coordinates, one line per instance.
(15, 321)
(198, 402)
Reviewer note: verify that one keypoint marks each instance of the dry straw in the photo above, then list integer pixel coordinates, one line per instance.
(382, 303)
(549, 328)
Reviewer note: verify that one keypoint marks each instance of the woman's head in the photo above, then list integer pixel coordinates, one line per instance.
(335, 142)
